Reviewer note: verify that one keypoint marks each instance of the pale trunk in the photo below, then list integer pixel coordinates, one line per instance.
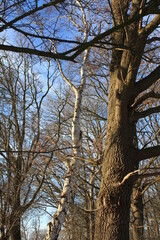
(58, 218)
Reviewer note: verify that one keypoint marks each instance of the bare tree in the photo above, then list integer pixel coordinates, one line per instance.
(20, 137)
(129, 36)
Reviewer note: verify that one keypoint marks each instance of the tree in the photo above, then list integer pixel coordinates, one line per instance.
(121, 155)
(58, 219)
(22, 169)
(132, 39)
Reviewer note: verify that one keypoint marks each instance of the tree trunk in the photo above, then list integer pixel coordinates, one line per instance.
(15, 221)
(92, 205)
(58, 218)
(16, 231)
(2, 233)
(112, 222)
(15, 218)
(137, 211)
(113, 206)
(92, 222)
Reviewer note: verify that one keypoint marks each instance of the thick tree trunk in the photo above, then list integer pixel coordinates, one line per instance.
(112, 221)
(113, 206)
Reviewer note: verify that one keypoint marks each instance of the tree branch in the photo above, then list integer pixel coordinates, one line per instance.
(26, 14)
(151, 26)
(78, 50)
(139, 115)
(148, 153)
(107, 33)
(135, 175)
(140, 100)
(36, 52)
(36, 152)
(27, 34)
(11, 6)
(153, 39)
(146, 82)
(38, 187)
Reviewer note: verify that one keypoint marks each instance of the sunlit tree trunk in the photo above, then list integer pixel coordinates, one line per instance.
(113, 205)
(58, 219)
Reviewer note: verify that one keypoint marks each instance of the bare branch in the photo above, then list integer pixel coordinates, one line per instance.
(35, 52)
(39, 186)
(143, 114)
(37, 152)
(135, 175)
(27, 34)
(146, 82)
(148, 153)
(151, 26)
(67, 80)
(26, 14)
(140, 100)
(76, 51)
(153, 39)
(11, 6)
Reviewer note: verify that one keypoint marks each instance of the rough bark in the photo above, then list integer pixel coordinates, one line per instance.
(113, 206)
(137, 211)
(112, 220)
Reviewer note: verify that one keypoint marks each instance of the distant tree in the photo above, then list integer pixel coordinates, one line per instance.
(22, 168)
(145, 191)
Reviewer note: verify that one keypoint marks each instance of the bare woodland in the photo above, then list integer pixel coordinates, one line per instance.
(79, 119)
